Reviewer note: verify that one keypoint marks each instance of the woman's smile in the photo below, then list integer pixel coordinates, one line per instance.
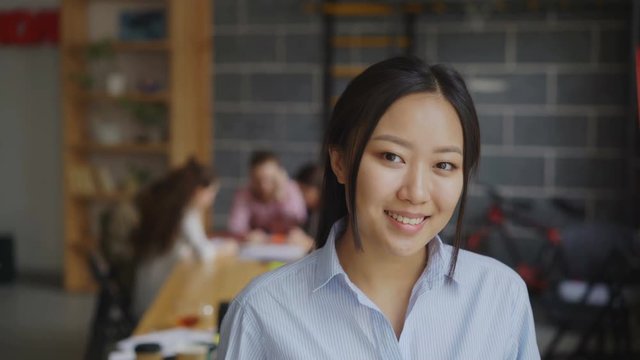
(406, 222)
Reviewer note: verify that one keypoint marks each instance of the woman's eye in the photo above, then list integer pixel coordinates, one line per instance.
(445, 166)
(392, 157)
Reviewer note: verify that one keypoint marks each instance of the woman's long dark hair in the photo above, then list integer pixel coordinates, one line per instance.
(161, 206)
(356, 115)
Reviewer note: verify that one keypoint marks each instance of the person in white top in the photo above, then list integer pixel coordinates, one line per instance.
(171, 227)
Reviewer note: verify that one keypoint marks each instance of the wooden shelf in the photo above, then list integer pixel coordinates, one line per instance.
(127, 46)
(160, 148)
(159, 97)
(159, 2)
(370, 41)
(151, 45)
(364, 9)
(349, 71)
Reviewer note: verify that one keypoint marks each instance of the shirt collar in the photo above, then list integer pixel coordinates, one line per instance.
(328, 264)
(439, 260)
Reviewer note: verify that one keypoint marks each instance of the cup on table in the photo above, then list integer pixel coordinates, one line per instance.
(148, 351)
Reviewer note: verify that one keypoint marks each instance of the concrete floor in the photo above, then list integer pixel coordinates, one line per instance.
(41, 321)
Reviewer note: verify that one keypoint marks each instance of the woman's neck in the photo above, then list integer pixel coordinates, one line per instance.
(377, 270)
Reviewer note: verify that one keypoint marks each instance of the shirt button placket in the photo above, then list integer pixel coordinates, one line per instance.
(386, 337)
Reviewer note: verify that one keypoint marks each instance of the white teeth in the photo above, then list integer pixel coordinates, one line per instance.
(405, 220)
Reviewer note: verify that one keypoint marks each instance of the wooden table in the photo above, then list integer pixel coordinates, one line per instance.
(195, 285)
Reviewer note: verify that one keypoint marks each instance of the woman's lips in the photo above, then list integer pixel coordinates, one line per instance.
(407, 222)
(406, 218)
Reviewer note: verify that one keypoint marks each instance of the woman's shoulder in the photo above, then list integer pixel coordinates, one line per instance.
(282, 282)
(474, 267)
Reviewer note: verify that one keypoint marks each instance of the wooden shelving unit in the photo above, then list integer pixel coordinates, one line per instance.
(333, 11)
(160, 148)
(141, 46)
(124, 46)
(161, 97)
(188, 52)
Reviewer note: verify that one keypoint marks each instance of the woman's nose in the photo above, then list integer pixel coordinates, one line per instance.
(416, 187)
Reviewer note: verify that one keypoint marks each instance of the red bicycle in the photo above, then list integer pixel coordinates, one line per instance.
(532, 256)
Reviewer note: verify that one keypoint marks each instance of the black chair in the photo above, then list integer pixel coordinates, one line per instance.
(594, 263)
(112, 319)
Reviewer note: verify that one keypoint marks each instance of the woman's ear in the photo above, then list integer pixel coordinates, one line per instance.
(338, 164)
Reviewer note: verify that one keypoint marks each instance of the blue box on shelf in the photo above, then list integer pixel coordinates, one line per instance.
(139, 25)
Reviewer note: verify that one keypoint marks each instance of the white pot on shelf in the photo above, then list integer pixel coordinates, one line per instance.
(116, 84)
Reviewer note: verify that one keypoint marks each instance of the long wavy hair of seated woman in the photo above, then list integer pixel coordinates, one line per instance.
(161, 207)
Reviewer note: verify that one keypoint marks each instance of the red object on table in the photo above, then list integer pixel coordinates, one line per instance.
(188, 320)
(278, 238)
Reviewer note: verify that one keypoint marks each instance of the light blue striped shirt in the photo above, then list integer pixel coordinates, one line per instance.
(311, 310)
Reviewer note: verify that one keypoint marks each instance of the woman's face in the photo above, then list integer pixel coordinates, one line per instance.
(266, 180)
(410, 176)
(204, 196)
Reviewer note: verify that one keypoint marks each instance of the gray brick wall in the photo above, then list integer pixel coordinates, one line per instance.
(554, 119)
(267, 83)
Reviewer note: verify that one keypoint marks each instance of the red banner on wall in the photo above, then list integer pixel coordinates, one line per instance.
(26, 27)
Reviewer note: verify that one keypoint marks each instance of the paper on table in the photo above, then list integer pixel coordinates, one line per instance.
(272, 252)
(170, 341)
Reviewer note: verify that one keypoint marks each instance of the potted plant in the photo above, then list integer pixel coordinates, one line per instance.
(101, 49)
(149, 117)
(101, 56)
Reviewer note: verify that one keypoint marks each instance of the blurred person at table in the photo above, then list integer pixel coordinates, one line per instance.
(309, 180)
(171, 227)
(270, 206)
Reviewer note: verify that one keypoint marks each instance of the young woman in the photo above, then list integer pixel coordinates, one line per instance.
(170, 227)
(400, 148)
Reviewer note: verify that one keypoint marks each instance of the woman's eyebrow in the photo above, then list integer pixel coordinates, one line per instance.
(397, 140)
(447, 149)
(394, 139)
